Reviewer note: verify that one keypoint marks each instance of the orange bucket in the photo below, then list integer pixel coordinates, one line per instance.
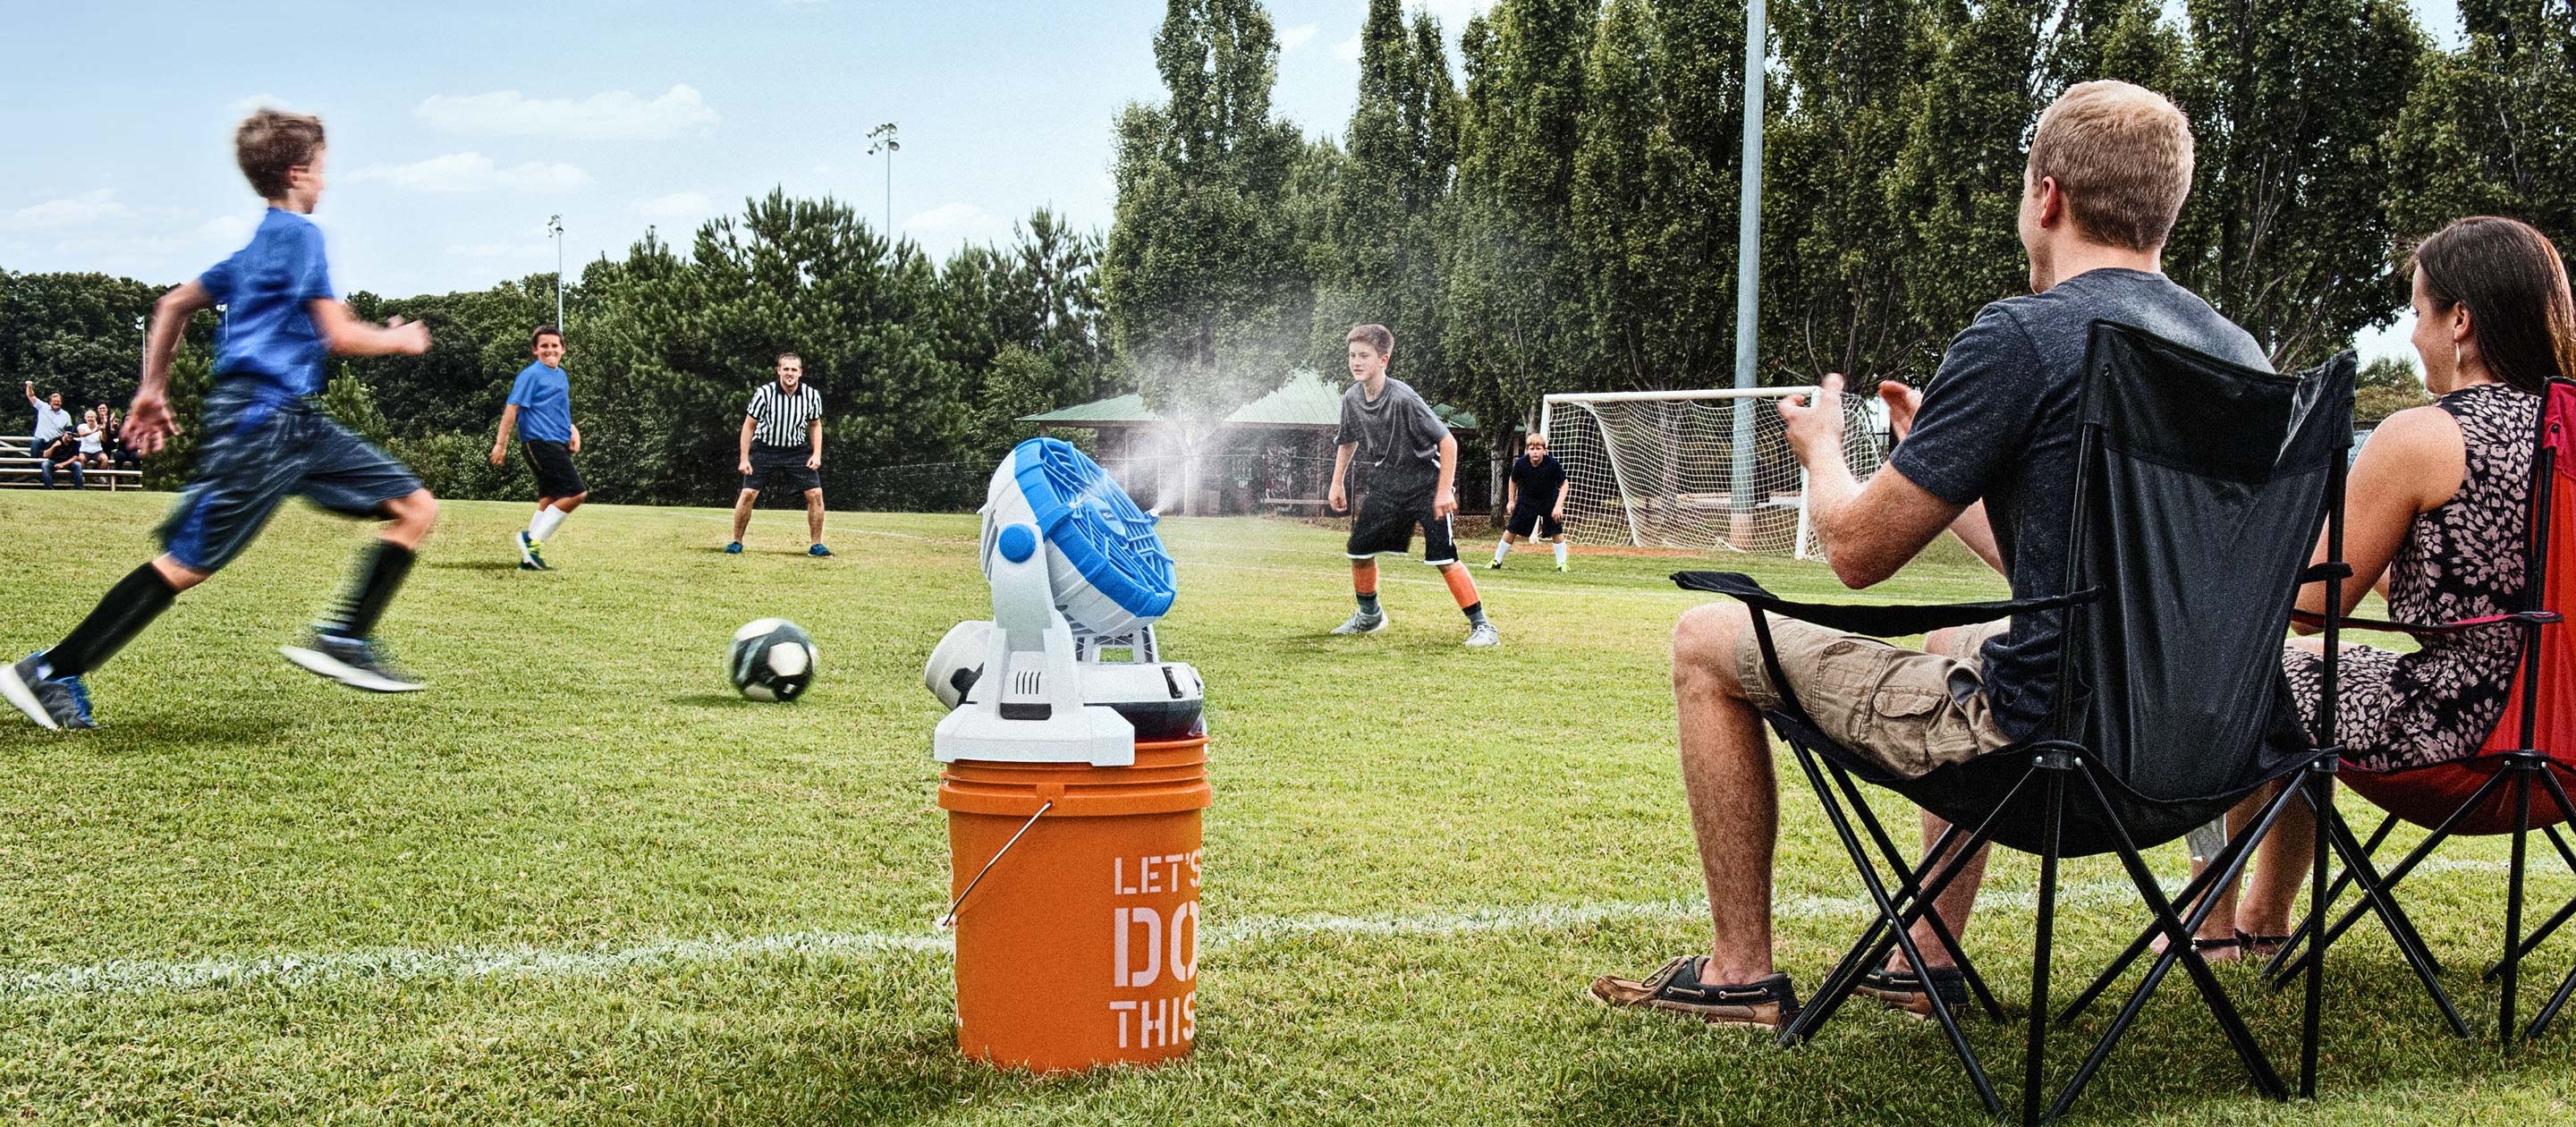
(1080, 946)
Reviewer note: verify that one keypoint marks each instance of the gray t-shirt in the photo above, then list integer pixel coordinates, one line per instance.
(1398, 438)
(1999, 424)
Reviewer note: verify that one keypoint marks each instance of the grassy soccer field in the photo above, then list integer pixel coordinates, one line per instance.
(579, 881)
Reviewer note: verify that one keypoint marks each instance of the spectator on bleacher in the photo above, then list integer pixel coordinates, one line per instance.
(63, 452)
(51, 419)
(93, 439)
(119, 455)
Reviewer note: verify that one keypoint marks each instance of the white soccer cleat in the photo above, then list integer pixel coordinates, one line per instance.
(1362, 623)
(1482, 636)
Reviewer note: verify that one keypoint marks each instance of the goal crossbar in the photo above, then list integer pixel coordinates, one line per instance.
(1701, 470)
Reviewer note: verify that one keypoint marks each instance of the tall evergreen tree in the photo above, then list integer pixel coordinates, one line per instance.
(1515, 318)
(2286, 232)
(1379, 261)
(1208, 299)
(2488, 131)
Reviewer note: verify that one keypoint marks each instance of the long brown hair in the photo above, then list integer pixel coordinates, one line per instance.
(2515, 285)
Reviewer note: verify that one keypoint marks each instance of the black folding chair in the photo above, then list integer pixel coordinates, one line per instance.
(2200, 487)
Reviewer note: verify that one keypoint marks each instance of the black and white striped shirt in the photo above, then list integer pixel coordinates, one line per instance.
(780, 417)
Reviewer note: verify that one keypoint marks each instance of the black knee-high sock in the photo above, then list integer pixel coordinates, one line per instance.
(379, 573)
(127, 608)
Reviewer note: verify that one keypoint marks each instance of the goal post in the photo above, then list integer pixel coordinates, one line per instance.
(1697, 471)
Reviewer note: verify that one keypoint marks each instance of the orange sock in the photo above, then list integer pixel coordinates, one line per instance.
(1462, 587)
(1364, 577)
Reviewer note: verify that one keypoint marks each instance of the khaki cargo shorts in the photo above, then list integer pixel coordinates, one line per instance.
(1906, 710)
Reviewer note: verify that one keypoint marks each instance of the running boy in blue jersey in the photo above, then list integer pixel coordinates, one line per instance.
(262, 441)
(541, 407)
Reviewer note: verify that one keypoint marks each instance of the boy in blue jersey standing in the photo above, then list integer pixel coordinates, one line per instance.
(540, 407)
(262, 441)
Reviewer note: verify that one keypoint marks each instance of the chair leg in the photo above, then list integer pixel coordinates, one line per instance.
(2035, 1047)
(2376, 897)
(2510, 974)
(2257, 1066)
(2385, 901)
(1900, 930)
(2306, 927)
(2191, 894)
(2566, 986)
(2319, 780)
(1910, 874)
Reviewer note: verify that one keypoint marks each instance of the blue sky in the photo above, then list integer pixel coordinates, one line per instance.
(457, 128)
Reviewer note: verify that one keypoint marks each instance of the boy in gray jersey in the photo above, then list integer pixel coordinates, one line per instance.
(1412, 462)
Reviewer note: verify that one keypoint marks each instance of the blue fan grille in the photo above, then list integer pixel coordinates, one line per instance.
(1099, 530)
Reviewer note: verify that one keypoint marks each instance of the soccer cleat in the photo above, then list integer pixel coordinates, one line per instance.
(1482, 636)
(531, 553)
(733, 547)
(350, 661)
(52, 702)
(1362, 622)
(818, 550)
(1494, 566)
(1562, 567)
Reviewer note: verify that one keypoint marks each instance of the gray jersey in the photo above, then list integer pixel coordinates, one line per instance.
(1397, 435)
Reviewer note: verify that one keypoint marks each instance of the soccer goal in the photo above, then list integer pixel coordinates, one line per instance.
(1699, 471)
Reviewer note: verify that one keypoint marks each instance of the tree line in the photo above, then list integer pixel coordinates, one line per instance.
(1550, 206)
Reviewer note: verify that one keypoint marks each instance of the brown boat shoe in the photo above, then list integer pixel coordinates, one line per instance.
(1764, 1003)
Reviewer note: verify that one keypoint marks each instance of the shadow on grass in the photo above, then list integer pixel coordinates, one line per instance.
(713, 700)
(475, 565)
(1870, 1066)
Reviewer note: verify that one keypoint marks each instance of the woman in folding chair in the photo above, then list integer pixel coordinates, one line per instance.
(2439, 521)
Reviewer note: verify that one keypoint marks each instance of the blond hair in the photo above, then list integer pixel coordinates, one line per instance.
(271, 142)
(2121, 154)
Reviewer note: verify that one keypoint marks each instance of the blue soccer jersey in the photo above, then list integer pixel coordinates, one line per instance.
(269, 335)
(544, 399)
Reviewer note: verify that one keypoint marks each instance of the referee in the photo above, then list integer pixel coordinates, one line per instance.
(782, 435)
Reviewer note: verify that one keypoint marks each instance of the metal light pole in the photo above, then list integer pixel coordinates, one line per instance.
(143, 335)
(882, 140)
(1748, 263)
(554, 230)
(223, 323)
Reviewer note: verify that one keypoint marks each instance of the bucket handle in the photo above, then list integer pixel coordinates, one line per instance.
(950, 918)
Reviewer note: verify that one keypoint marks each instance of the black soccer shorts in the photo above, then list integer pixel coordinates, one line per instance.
(552, 462)
(1525, 519)
(786, 463)
(1385, 528)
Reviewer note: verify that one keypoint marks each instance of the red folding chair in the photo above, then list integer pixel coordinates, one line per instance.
(2532, 750)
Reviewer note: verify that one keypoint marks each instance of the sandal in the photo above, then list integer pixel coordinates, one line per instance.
(1902, 990)
(2261, 946)
(1763, 1003)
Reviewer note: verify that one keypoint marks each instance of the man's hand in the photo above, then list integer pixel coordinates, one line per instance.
(575, 444)
(1338, 500)
(745, 468)
(1444, 503)
(814, 461)
(500, 453)
(1903, 402)
(1815, 423)
(148, 423)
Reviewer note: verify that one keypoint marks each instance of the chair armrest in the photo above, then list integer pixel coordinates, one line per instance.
(1874, 621)
(2433, 629)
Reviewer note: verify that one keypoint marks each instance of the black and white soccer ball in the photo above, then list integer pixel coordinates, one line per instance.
(772, 660)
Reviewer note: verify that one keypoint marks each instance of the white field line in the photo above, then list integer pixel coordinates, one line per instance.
(400, 964)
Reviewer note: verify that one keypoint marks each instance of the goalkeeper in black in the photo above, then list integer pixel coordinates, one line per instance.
(1537, 504)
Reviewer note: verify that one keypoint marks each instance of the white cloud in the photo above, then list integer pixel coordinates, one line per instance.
(1295, 37)
(540, 251)
(226, 229)
(676, 204)
(474, 172)
(614, 115)
(86, 209)
(1348, 50)
(959, 220)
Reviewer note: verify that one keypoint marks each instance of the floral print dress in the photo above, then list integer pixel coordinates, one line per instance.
(2461, 560)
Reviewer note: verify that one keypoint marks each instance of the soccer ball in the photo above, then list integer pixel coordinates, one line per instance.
(772, 660)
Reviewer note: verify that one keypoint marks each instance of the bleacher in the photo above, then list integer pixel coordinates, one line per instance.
(19, 469)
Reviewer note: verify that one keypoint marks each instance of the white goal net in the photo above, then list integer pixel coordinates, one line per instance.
(1698, 471)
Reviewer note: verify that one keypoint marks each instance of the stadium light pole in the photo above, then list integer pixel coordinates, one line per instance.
(1748, 264)
(554, 230)
(882, 140)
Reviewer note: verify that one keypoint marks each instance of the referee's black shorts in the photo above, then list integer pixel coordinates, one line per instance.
(1385, 527)
(552, 462)
(784, 463)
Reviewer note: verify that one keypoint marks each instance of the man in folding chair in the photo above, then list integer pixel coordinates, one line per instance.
(1989, 455)
(2150, 487)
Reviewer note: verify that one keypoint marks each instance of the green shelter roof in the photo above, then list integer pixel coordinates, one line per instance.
(1308, 399)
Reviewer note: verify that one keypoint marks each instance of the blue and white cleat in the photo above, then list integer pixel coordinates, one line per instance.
(350, 661)
(818, 550)
(531, 553)
(54, 703)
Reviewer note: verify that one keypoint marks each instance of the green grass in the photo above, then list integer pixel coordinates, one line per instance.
(581, 802)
